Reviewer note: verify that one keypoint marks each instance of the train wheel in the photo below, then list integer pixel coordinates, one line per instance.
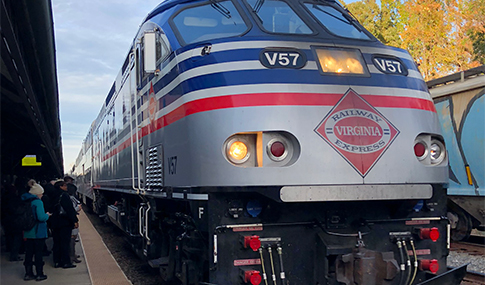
(461, 224)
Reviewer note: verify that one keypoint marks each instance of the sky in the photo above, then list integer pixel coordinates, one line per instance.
(92, 40)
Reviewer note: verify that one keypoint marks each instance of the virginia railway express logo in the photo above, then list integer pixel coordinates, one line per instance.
(152, 103)
(357, 131)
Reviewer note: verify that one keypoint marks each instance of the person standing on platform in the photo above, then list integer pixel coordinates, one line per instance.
(35, 238)
(13, 233)
(50, 190)
(64, 219)
(71, 188)
(75, 232)
(49, 196)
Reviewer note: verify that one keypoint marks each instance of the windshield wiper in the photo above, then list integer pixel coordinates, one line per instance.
(348, 22)
(353, 19)
(221, 9)
(258, 6)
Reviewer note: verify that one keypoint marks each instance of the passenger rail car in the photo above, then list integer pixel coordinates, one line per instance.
(270, 142)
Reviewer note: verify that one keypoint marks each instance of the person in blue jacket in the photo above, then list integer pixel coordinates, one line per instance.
(35, 238)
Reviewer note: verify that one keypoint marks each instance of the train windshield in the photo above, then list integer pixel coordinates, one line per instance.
(210, 21)
(336, 22)
(277, 17)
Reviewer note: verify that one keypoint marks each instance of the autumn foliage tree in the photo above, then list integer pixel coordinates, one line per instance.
(475, 26)
(425, 36)
(443, 36)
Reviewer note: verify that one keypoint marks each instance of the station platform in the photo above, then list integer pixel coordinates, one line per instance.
(97, 266)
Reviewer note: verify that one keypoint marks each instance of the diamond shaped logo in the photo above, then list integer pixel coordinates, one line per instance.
(357, 131)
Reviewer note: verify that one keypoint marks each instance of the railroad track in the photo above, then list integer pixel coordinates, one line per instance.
(473, 278)
(469, 247)
(474, 250)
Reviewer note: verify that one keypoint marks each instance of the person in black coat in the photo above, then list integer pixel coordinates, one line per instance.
(49, 196)
(13, 233)
(71, 188)
(62, 225)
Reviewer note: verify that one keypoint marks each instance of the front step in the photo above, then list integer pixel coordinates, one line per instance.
(156, 263)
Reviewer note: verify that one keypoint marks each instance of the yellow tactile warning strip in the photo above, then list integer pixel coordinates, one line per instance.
(103, 269)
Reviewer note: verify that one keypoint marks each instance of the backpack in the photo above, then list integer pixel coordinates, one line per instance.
(24, 217)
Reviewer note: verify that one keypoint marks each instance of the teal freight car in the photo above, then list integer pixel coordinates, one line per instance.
(460, 103)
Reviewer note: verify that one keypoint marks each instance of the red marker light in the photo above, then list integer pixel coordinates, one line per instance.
(419, 149)
(429, 265)
(253, 277)
(429, 233)
(252, 242)
(277, 149)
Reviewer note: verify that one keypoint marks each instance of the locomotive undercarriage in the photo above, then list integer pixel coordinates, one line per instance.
(160, 231)
(239, 236)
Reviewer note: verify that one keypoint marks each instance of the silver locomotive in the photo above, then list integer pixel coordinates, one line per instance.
(253, 141)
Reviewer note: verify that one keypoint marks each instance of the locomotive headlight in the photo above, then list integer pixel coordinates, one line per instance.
(354, 66)
(238, 150)
(437, 152)
(345, 61)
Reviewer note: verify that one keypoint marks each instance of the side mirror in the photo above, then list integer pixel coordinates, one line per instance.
(150, 52)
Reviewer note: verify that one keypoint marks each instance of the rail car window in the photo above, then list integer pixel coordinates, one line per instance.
(210, 21)
(277, 17)
(336, 22)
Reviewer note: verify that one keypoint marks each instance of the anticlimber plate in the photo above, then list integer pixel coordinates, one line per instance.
(355, 192)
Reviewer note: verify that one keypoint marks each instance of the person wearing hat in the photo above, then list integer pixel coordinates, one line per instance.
(71, 188)
(35, 238)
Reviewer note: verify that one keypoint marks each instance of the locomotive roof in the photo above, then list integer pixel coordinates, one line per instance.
(166, 4)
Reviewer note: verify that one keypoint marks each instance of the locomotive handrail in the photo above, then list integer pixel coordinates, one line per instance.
(132, 143)
(407, 219)
(137, 140)
(140, 223)
(146, 222)
(221, 228)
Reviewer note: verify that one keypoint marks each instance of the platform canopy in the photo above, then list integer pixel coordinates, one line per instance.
(30, 126)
